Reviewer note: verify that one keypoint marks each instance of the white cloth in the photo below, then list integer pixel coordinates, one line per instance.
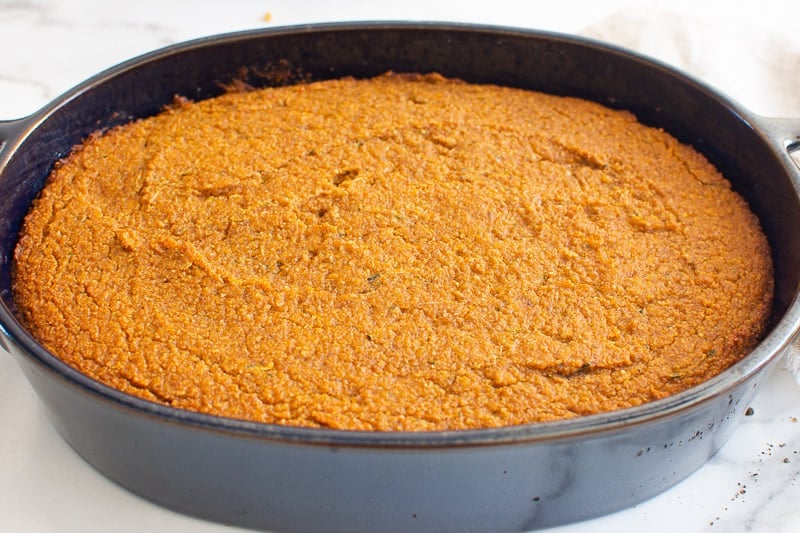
(751, 54)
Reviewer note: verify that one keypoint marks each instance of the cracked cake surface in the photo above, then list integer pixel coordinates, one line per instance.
(407, 252)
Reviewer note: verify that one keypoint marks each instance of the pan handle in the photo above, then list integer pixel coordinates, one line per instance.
(785, 132)
(10, 131)
(4, 339)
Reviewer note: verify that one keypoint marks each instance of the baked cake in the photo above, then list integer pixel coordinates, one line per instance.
(407, 252)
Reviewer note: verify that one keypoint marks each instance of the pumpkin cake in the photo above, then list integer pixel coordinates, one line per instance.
(407, 252)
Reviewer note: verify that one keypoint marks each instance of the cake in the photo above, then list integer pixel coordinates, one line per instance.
(407, 252)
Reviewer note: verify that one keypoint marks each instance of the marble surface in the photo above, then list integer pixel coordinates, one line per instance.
(749, 51)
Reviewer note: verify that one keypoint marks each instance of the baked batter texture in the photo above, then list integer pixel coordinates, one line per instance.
(407, 252)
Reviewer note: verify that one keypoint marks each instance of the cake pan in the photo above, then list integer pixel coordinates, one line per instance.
(508, 479)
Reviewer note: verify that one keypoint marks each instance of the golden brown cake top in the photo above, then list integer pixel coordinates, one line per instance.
(402, 253)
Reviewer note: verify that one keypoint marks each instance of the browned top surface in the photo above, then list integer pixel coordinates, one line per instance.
(405, 253)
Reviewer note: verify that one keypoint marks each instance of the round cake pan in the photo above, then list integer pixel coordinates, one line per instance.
(515, 478)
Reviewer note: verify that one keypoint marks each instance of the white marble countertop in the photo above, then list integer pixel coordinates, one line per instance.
(751, 51)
